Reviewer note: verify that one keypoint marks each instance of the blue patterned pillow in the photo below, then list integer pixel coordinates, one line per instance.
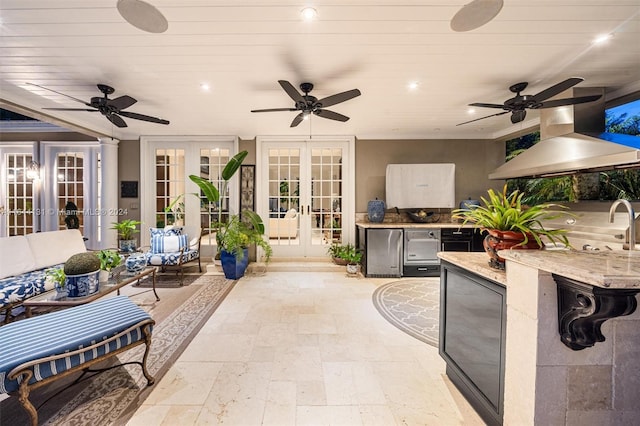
(165, 231)
(168, 243)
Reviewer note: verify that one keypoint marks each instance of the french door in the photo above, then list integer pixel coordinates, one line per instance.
(18, 201)
(305, 193)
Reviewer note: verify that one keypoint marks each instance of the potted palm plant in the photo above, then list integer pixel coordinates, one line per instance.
(126, 229)
(512, 225)
(233, 236)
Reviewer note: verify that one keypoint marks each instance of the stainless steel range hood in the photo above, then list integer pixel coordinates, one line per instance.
(573, 140)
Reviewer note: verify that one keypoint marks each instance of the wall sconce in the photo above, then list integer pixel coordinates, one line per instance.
(33, 172)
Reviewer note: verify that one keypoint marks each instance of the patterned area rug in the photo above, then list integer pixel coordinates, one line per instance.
(112, 397)
(412, 305)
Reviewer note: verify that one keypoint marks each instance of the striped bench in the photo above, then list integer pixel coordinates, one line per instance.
(38, 350)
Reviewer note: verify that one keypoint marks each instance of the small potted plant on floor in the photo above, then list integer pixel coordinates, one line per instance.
(510, 224)
(109, 259)
(353, 256)
(126, 229)
(346, 254)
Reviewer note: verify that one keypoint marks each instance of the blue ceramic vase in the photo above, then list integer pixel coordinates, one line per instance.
(375, 211)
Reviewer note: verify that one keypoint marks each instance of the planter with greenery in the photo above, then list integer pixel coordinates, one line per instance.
(346, 254)
(233, 236)
(512, 225)
(81, 272)
(126, 229)
(109, 259)
(58, 278)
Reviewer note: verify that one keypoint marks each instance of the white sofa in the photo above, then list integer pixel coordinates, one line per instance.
(24, 260)
(285, 227)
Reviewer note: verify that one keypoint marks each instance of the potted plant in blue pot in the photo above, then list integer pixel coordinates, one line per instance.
(233, 236)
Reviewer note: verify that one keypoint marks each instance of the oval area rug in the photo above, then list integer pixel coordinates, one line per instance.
(412, 305)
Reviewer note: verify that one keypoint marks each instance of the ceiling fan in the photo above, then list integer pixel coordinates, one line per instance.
(308, 104)
(110, 108)
(518, 105)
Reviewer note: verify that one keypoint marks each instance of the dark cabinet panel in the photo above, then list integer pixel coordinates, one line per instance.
(472, 338)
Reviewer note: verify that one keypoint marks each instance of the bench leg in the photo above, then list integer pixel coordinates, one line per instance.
(23, 397)
(147, 342)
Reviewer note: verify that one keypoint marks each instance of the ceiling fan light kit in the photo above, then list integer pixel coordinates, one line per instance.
(308, 104)
(143, 16)
(475, 14)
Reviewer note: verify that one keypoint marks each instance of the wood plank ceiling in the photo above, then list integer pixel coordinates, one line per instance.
(241, 49)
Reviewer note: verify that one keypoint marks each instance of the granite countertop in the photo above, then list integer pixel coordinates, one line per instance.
(476, 262)
(608, 269)
(387, 225)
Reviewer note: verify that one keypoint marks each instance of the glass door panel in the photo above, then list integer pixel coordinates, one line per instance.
(284, 196)
(17, 207)
(326, 196)
(170, 183)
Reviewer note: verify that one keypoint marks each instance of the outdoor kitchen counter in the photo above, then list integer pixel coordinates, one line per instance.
(608, 269)
(477, 262)
(406, 225)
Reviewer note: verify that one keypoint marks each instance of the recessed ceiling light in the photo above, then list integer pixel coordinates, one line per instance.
(205, 87)
(413, 85)
(601, 38)
(471, 111)
(309, 14)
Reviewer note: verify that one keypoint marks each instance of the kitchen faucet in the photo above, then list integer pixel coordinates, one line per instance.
(632, 218)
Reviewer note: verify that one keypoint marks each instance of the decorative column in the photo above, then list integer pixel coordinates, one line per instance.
(109, 201)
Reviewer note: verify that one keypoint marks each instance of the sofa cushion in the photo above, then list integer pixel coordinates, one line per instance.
(168, 243)
(291, 214)
(21, 287)
(54, 247)
(15, 256)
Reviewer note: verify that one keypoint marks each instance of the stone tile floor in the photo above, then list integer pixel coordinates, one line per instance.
(305, 348)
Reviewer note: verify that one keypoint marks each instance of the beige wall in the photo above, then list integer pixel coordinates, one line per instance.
(129, 170)
(474, 159)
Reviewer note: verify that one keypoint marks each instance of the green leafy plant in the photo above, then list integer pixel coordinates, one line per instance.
(109, 259)
(126, 228)
(506, 212)
(347, 252)
(57, 275)
(232, 234)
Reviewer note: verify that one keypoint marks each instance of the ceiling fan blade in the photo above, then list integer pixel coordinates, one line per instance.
(482, 118)
(143, 117)
(59, 93)
(122, 102)
(72, 109)
(324, 113)
(518, 116)
(297, 120)
(337, 98)
(569, 101)
(558, 88)
(292, 92)
(480, 104)
(273, 109)
(116, 120)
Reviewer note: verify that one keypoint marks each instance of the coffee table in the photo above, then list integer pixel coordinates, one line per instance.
(53, 299)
